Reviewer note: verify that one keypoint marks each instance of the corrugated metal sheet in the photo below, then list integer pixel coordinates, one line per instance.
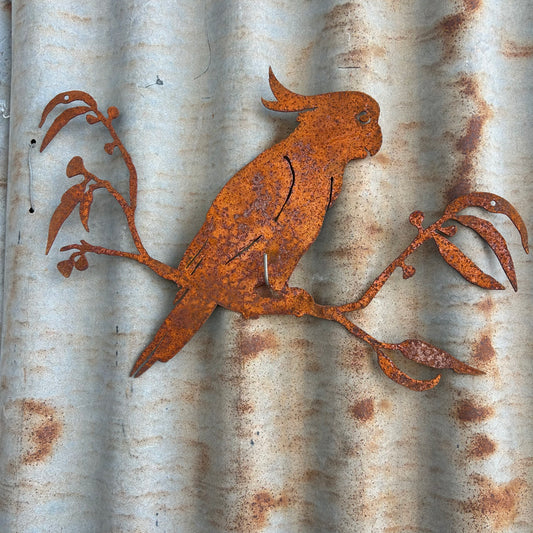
(276, 424)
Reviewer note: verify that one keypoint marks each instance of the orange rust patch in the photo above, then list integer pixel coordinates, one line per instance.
(385, 405)
(486, 306)
(373, 230)
(470, 141)
(41, 430)
(469, 88)
(342, 252)
(382, 160)
(363, 410)
(244, 408)
(468, 144)
(484, 351)
(249, 346)
(450, 27)
(357, 56)
(471, 6)
(468, 411)
(481, 447)
(514, 50)
(301, 344)
(409, 125)
(259, 508)
(311, 476)
(448, 30)
(498, 504)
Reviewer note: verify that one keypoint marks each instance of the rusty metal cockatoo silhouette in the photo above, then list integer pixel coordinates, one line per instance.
(266, 217)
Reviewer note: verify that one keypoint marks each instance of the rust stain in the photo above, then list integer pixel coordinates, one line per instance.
(480, 447)
(342, 252)
(342, 15)
(471, 6)
(301, 344)
(374, 230)
(363, 410)
(408, 126)
(203, 457)
(74, 17)
(311, 476)
(250, 345)
(486, 306)
(469, 88)
(42, 428)
(267, 216)
(385, 405)
(497, 504)
(468, 144)
(355, 359)
(244, 408)
(461, 185)
(450, 28)
(260, 507)
(469, 411)
(357, 56)
(343, 20)
(191, 391)
(514, 50)
(470, 141)
(484, 351)
(383, 160)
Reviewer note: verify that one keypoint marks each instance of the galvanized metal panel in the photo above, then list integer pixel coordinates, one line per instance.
(5, 75)
(276, 424)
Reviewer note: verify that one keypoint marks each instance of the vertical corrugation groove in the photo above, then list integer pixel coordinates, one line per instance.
(279, 423)
(5, 77)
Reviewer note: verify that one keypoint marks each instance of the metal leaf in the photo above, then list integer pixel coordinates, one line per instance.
(75, 167)
(429, 355)
(70, 199)
(464, 265)
(394, 373)
(67, 98)
(65, 267)
(81, 263)
(494, 204)
(61, 121)
(495, 240)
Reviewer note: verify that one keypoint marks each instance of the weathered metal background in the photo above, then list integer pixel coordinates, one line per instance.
(277, 424)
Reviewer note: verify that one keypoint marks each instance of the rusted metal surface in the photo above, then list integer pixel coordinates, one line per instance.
(274, 208)
(278, 423)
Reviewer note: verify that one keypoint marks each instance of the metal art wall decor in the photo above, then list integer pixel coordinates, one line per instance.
(266, 217)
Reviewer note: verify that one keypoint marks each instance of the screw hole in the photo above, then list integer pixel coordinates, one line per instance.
(31, 210)
(492, 203)
(33, 141)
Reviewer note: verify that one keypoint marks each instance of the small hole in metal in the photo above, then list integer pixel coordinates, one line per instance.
(31, 210)
(492, 203)
(33, 141)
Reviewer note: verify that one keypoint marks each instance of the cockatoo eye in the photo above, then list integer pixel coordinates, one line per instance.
(363, 117)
